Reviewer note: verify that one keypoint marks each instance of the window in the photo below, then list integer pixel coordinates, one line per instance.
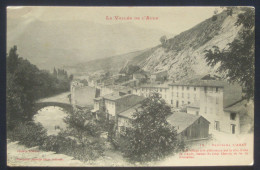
(188, 88)
(232, 116)
(188, 102)
(160, 90)
(194, 88)
(199, 121)
(216, 89)
(197, 113)
(171, 101)
(205, 89)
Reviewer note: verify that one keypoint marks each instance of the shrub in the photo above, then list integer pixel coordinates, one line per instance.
(29, 134)
(214, 18)
(81, 140)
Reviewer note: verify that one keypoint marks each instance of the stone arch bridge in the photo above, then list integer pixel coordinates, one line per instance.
(67, 107)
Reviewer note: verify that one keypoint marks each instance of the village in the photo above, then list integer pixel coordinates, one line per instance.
(136, 86)
(201, 105)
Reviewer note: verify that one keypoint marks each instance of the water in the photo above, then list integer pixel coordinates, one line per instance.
(51, 117)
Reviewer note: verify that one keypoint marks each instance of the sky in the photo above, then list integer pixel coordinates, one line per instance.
(49, 36)
(181, 18)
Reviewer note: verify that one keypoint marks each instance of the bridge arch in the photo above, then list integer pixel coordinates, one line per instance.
(67, 107)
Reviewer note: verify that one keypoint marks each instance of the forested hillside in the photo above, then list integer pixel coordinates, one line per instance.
(26, 83)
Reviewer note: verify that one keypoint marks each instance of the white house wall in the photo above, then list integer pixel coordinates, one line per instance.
(110, 107)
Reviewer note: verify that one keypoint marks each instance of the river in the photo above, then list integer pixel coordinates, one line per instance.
(51, 117)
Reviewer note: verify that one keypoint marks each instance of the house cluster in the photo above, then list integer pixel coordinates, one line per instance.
(200, 105)
(207, 96)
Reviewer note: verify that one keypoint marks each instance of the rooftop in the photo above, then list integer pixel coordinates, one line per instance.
(237, 107)
(118, 87)
(155, 85)
(201, 80)
(129, 112)
(115, 96)
(182, 120)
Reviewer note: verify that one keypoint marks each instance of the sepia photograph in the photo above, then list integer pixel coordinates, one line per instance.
(130, 86)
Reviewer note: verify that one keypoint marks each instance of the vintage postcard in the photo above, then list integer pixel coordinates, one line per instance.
(130, 86)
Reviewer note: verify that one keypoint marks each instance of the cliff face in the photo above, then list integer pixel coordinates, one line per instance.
(183, 55)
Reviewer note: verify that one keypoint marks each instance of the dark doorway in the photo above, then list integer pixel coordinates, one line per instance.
(216, 126)
(233, 128)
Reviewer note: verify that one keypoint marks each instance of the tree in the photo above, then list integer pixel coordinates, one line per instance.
(83, 127)
(12, 60)
(55, 72)
(237, 61)
(71, 77)
(163, 40)
(25, 84)
(151, 137)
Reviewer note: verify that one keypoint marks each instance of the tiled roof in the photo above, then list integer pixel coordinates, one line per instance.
(113, 96)
(182, 120)
(129, 112)
(238, 107)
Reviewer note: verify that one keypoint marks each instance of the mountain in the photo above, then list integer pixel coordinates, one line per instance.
(49, 43)
(183, 55)
(112, 64)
